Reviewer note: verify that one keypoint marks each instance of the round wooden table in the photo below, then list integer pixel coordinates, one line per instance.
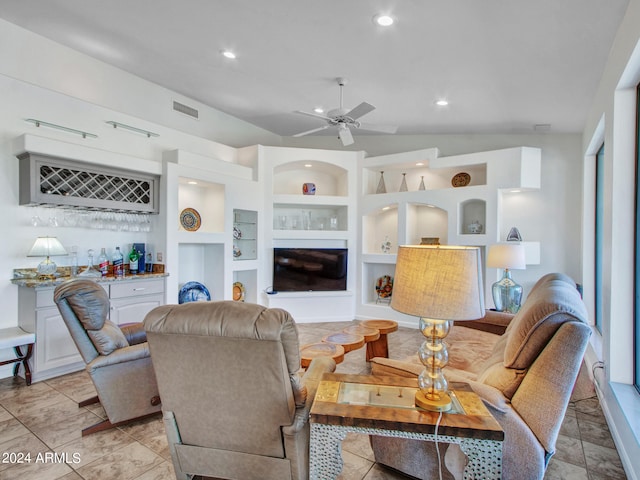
(380, 347)
(370, 334)
(322, 349)
(349, 341)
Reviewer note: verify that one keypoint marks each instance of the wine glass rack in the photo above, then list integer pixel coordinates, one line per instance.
(47, 180)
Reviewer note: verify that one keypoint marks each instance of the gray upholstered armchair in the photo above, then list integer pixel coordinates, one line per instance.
(234, 403)
(117, 359)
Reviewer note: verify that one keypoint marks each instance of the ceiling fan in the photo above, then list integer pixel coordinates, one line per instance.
(346, 119)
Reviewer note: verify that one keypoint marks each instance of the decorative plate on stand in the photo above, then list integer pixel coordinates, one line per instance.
(384, 288)
(193, 292)
(461, 179)
(190, 219)
(238, 292)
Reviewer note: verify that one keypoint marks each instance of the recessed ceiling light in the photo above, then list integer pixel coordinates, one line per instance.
(420, 164)
(516, 191)
(318, 110)
(385, 208)
(383, 20)
(308, 165)
(229, 54)
(442, 102)
(192, 182)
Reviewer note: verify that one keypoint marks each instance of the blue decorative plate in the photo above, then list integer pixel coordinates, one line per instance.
(193, 292)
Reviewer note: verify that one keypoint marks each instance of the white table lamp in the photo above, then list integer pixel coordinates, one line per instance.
(47, 247)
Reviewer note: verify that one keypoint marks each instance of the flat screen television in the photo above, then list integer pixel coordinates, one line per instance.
(309, 269)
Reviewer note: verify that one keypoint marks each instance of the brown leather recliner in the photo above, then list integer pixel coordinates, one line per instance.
(117, 359)
(234, 403)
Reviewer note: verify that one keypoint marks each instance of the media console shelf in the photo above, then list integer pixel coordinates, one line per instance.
(325, 219)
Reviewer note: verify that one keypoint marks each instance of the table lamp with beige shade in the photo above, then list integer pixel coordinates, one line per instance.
(439, 284)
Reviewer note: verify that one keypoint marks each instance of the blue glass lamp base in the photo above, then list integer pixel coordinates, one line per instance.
(507, 294)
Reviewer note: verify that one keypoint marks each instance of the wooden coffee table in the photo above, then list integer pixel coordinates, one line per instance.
(349, 341)
(384, 406)
(321, 349)
(370, 334)
(380, 347)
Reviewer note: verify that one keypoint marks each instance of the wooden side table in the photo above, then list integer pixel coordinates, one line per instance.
(380, 347)
(384, 406)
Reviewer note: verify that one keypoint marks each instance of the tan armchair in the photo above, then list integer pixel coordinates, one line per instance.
(234, 403)
(117, 359)
(525, 377)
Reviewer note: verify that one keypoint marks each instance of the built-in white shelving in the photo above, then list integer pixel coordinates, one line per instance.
(263, 199)
(460, 205)
(224, 195)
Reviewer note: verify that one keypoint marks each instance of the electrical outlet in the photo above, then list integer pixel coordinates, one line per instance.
(159, 257)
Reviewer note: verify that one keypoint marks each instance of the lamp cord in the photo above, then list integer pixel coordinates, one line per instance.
(435, 439)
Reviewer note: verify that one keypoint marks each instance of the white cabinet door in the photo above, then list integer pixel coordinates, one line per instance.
(54, 346)
(133, 309)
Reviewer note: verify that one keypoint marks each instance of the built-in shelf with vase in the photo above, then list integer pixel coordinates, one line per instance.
(204, 200)
(459, 205)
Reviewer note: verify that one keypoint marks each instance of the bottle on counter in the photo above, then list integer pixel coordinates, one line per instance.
(103, 262)
(74, 261)
(133, 261)
(118, 263)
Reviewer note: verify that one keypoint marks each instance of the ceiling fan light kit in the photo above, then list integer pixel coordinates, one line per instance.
(345, 119)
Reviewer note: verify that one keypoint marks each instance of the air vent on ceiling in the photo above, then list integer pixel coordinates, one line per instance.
(180, 107)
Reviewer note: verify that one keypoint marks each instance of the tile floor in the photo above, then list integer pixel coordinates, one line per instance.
(45, 419)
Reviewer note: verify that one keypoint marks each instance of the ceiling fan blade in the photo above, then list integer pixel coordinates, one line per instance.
(345, 135)
(314, 115)
(302, 134)
(379, 128)
(360, 110)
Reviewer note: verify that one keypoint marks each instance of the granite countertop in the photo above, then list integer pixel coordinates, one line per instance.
(28, 277)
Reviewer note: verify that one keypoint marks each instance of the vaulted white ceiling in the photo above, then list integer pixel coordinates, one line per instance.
(504, 65)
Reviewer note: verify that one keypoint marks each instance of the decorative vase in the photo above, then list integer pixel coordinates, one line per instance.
(382, 188)
(474, 227)
(514, 235)
(403, 184)
(386, 245)
(309, 188)
(422, 186)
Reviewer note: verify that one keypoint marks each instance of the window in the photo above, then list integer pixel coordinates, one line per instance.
(636, 346)
(599, 234)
